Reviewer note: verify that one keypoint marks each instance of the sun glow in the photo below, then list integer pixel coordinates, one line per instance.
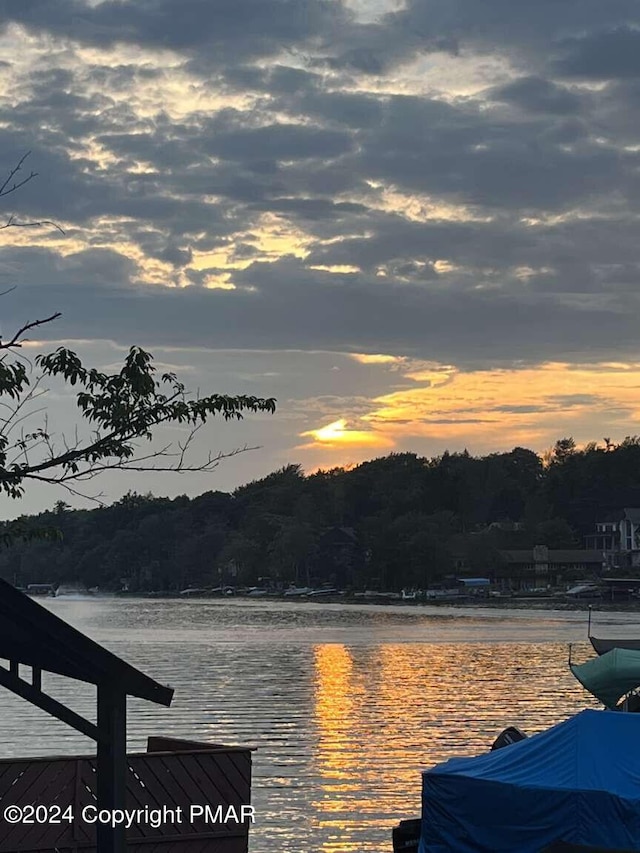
(377, 358)
(331, 432)
(431, 407)
(336, 434)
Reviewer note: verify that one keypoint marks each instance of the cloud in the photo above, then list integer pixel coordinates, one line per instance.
(376, 358)
(432, 189)
(226, 29)
(533, 417)
(286, 305)
(488, 160)
(104, 268)
(602, 55)
(336, 435)
(279, 142)
(525, 34)
(537, 95)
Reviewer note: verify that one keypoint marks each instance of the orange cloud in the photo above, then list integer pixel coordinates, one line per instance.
(488, 410)
(495, 410)
(337, 435)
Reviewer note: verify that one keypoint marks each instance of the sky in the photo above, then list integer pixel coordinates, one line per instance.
(413, 223)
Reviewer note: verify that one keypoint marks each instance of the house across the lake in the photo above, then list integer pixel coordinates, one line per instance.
(532, 568)
(617, 536)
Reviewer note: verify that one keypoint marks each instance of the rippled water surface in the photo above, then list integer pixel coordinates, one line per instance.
(345, 704)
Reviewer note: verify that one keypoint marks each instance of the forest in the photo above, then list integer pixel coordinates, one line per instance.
(390, 523)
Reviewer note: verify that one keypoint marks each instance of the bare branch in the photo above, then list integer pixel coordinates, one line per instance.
(184, 447)
(29, 397)
(81, 454)
(72, 491)
(131, 465)
(14, 340)
(5, 189)
(11, 223)
(16, 186)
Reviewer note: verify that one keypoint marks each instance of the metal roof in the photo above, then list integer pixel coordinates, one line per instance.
(32, 635)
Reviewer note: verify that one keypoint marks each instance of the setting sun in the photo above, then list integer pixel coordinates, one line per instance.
(337, 435)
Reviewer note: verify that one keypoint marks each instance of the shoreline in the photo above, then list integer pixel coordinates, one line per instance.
(516, 603)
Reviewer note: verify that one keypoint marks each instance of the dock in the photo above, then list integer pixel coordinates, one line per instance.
(167, 790)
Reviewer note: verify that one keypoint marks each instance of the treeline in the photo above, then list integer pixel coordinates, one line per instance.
(398, 521)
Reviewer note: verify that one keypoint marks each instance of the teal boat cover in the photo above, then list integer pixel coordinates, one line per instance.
(578, 782)
(611, 676)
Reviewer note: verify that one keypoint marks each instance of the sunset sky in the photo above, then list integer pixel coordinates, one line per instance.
(413, 223)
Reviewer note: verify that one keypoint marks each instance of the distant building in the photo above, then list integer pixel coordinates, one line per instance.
(531, 568)
(617, 537)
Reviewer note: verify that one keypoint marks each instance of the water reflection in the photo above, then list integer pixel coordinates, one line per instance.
(334, 707)
(335, 754)
(346, 705)
(384, 713)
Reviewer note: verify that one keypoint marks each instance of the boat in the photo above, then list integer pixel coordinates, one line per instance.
(603, 645)
(512, 734)
(297, 591)
(330, 590)
(613, 678)
(37, 589)
(72, 590)
(373, 594)
(406, 835)
(222, 590)
(574, 787)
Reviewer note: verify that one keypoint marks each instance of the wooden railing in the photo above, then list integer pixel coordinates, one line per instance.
(168, 791)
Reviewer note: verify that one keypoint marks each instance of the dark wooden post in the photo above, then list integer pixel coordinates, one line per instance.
(112, 764)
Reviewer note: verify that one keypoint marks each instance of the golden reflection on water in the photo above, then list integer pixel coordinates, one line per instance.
(384, 713)
(334, 707)
(337, 712)
(345, 705)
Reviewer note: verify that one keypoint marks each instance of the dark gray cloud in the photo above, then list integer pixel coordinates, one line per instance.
(45, 268)
(312, 208)
(351, 109)
(224, 29)
(275, 80)
(602, 55)
(528, 35)
(288, 112)
(486, 159)
(552, 403)
(279, 142)
(567, 400)
(285, 305)
(537, 95)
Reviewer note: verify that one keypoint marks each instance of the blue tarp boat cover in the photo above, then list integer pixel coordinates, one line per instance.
(578, 782)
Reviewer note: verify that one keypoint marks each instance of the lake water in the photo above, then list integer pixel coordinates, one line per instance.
(345, 704)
